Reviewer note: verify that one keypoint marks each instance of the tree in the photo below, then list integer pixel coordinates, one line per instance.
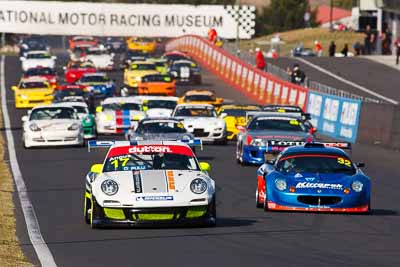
(283, 15)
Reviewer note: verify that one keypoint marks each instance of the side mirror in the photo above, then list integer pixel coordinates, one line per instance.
(65, 68)
(54, 57)
(313, 130)
(306, 116)
(96, 168)
(223, 115)
(360, 165)
(205, 167)
(24, 118)
(14, 87)
(270, 162)
(22, 58)
(99, 109)
(145, 108)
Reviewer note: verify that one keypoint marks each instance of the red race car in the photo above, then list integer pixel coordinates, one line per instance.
(75, 70)
(42, 72)
(82, 41)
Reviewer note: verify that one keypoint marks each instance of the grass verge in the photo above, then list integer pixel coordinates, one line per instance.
(307, 37)
(11, 254)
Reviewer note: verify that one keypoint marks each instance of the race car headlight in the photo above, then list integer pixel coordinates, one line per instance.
(109, 187)
(73, 127)
(198, 186)
(257, 142)
(174, 73)
(280, 184)
(22, 96)
(106, 117)
(357, 186)
(138, 78)
(33, 127)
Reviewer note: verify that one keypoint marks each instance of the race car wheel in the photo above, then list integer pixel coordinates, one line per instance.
(87, 208)
(266, 200)
(258, 204)
(213, 213)
(94, 214)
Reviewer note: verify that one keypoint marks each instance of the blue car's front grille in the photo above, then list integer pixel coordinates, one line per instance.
(319, 200)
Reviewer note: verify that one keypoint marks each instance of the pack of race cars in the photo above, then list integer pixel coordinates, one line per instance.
(154, 176)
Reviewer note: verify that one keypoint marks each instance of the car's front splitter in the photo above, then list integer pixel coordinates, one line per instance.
(359, 209)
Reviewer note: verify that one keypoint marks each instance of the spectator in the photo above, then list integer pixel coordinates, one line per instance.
(369, 40)
(345, 50)
(386, 38)
(318, 48)
(260, 62)
(332, 49)
(397, 47)
(212, 35)
(357, 48)
(298, 76)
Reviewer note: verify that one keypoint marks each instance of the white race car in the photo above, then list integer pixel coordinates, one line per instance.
(148, 182)
(117, 115)
(52, 125)
(158, 106)
(201, 120)
(81, 108)
(33, 59)
(100, 58)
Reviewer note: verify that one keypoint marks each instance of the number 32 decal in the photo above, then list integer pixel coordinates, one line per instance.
(343, 161)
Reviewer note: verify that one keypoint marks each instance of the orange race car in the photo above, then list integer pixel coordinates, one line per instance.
(157, 84)
(201, 96)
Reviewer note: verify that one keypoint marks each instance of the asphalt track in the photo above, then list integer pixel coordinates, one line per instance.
(244, 235)
(376, 77)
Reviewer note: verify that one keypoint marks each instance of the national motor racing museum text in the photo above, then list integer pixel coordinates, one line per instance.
(81, 18)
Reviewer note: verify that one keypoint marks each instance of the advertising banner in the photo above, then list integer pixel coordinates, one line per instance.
(334, 116)
(105, 19)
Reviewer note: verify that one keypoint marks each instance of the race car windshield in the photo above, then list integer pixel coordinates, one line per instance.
(121, 106)
(81, 110)
(175, 57)
(160, 64)
(96, 52)
(167, 104)
(53, 113)
(160, 127)
(150, 161)
(38, 56)
(260, 124)
(195, 112)
(157, 78)
(290, 109)
(316, 164)
(33, 85)
(69, 92)
(143, 67)
(83, 39)
(95, 79)
(39, 71)
(200, 98)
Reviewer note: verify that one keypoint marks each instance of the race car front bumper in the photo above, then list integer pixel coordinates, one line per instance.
(66, 140)
(166, 216)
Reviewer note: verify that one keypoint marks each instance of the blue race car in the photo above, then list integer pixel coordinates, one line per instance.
(263, 127)
(316, 177)
(98, 84)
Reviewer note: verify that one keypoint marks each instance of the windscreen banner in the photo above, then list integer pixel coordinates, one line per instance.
(334, 116)
(112, 19)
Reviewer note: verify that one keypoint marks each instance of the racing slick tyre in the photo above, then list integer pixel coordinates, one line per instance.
(258, 204)
(87, 210)
(266, 201)
(213, 211)
(94, 224)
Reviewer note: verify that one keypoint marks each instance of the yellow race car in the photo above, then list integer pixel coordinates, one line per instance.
(31, 92)
(235, 117)
(133, 76)
(200, 96)
(146, 45)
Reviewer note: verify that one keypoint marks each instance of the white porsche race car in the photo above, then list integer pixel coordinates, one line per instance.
(201, 120)
(117, 115)
(52, 125)
(100, 58)
(149, 182)
(33, 59)
(158, 106)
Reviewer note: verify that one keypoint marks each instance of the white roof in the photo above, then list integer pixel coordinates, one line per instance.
(195, 105)
(34, 79)
(79, 104)
(38, 52)
(61, 105)
(95, 74)
(129, 99)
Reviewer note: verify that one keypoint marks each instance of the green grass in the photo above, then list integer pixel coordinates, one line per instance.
(307, 37)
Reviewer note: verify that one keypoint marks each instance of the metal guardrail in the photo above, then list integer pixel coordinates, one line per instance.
(312, 85)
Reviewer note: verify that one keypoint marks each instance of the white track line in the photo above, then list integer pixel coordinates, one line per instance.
(42, 250)
(362, 88)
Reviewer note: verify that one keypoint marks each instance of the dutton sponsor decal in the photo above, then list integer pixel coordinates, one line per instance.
(319, 185)
(150, 149)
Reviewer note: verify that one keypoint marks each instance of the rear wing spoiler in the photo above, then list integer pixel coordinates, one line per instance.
(277, 146)
(106, 144)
